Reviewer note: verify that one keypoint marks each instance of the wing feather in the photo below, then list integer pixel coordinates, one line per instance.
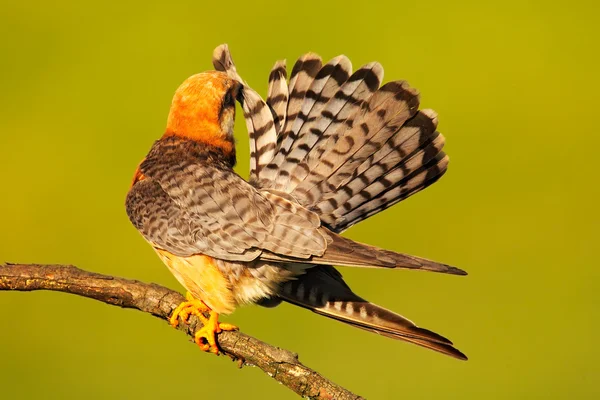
(326, 83)
(278, 95)
(259, 120)
(208, 209)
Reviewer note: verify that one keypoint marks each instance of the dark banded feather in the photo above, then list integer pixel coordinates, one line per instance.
(417, 181)
(303, 73)
(278, 95)
(337, 113)
(323, 89)
(323, 290)
(391, 105)
(259, 120)
(395, 175)
(413, 146)
(340, 112)
(351, 154)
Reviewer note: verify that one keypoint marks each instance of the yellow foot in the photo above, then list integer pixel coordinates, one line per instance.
(189, 307)
(206, 337)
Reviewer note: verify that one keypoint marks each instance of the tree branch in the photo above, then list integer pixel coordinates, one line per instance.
(280, 364)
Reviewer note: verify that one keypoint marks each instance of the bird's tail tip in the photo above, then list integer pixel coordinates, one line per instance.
(323, 291)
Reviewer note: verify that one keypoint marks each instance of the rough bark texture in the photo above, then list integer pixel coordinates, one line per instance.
(282, 365)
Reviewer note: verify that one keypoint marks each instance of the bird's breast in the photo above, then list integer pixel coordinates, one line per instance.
(201, 276)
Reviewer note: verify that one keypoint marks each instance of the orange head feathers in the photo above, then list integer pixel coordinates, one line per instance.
(203, 109)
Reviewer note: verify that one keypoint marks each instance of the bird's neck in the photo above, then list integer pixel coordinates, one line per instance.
(183, 146)
(202, 132)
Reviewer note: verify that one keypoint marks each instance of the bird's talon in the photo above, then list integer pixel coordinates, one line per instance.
(206, 337)
(206, 340)
(202, 343)
(190, 306)
(174, 319)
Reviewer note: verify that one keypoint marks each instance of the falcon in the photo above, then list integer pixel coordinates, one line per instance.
(329, 148)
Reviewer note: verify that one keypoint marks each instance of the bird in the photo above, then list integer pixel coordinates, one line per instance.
(328, 148)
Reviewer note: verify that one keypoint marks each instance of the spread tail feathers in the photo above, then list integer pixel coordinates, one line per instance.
(340, 144)
(323, 291)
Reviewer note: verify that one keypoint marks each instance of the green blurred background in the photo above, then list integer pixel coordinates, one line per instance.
(85, 90)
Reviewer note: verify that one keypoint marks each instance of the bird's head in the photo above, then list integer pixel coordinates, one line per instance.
(203, 109)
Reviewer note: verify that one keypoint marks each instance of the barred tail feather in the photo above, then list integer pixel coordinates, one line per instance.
(380, 117)
(302, 76)
(408, 147)
(259, 120)
(277, 96)
(340, 99)
(426, 175)
(337, 142)
(338, 117)
(326, 83)
(383, 181)
(323, 291)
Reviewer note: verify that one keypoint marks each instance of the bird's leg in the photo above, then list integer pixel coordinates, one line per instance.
(189, 307)
(206, 337)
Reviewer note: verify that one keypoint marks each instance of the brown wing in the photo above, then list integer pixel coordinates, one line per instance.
(188, 204)
(345, 252)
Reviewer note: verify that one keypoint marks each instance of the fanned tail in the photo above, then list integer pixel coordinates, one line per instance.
(391, 151)
(323, 291)
(408, 162)
(337, 142)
